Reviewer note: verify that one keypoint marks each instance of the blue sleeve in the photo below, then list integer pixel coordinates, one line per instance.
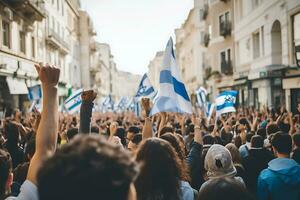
(262, 189)
(85, 117)
(194, 156)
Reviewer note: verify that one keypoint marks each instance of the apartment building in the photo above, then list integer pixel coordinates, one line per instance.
(21, 46)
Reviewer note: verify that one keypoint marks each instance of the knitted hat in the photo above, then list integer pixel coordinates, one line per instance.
(218, 162)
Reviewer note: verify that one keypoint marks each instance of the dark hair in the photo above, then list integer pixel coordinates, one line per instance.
(133, 129)
(272, 128)
(175, 143)
(249, 136)
(262, 132)
(282, 142)
(160, 170)
(12, 133)
(137, 138)
(94, 129)
(238, 141)
(72, 132)
(257, 141)
(224, 188)
(20, 173)
(121, 134)
(86, 168)
(208, 139)
(5, 169)
(245, 122)
(166, 129)
(296, 139)
(30, 149)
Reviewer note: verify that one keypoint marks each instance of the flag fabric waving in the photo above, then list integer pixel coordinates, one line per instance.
(201, 94)
(145, 88)
(72, 104)
(209, 110)
(172, 95)
(225, 102)
(35, 92)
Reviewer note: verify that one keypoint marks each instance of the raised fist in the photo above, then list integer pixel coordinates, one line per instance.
(49, 75)
(88, 96)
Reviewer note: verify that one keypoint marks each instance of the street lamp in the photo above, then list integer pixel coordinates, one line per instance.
(297, 55)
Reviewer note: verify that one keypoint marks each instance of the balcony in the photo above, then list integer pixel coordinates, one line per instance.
(205, 39)
(225, 28)
(33, 10)
(204, 12)
(226, 67)
(57, 42)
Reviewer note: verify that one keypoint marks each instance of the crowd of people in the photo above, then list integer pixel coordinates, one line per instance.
(247, 155)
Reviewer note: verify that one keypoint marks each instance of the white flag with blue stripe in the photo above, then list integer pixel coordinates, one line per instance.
(201, 94)
(172, 95)
(209, 110)
(72, 104)
(225, 102)
(35, 93)
(145, 88)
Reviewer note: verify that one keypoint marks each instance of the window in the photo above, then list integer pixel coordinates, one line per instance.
(22, 42)
(224, 19)
(225, 61)
(256, 46)
(262, 41)
(6, 33)
(58, 5)
(62, 8)
(32, 47)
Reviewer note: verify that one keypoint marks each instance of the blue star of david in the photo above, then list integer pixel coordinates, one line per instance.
(142, 89)
(229, 99)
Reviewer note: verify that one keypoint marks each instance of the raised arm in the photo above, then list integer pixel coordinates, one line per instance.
(86, 109)
(147, 128)
(46, 136)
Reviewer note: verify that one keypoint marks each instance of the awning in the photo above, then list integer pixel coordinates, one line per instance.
(16, 86)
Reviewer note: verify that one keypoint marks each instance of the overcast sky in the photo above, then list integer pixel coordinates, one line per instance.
(136, 29)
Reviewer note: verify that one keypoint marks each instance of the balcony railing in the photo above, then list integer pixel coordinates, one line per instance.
(225, 28)
(34, 10)
(57, 41)
(226, 67)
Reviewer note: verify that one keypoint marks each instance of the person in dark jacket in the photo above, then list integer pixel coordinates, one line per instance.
(255, 162)
(281, 179)
(296, 151)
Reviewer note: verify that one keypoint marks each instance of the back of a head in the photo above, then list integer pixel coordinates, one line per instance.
(262, 132)
(224, 188)
(272, 128)
(208, 139)
(72, 132)
(296, 139)
(160, 170)
(282, 142)
(12, 132)
(133, 129)
(249, 136)
(86, 168)
(257, 141)
(235, 154)
(5, 169)
(137, 139)
(166, 129)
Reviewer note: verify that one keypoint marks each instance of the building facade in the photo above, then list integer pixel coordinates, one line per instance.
(21, 46)
(265, 38)
(154, 68)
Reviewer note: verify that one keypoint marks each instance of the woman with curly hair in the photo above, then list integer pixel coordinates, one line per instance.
(161, 173)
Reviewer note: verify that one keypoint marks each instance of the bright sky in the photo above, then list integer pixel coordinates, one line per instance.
(136, 29)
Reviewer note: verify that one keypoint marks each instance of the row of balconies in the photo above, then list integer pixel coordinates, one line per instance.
(205, 8)
(33, 10)
(57, 41)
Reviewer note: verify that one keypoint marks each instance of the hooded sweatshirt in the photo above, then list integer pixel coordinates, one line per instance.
(281, 180)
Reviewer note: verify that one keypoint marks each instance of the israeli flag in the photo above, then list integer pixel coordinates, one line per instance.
(122, 103)
(73, 103)
(108, 103)
(201, 94)
(35, 93)
(210, 108)
(172, 95)
(145, 88)
(225, 102)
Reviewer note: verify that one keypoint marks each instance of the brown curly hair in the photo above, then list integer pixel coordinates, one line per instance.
(160, 172)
